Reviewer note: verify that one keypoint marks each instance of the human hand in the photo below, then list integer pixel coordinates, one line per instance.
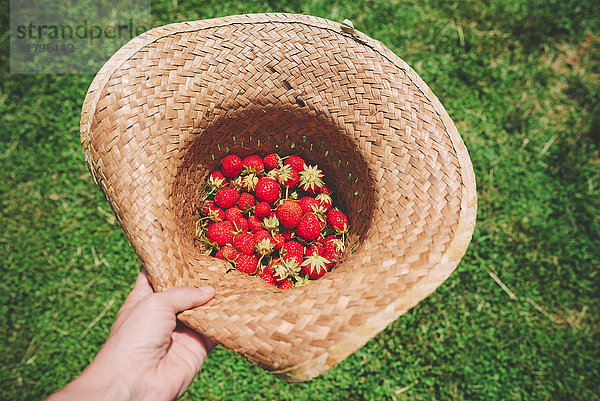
(148, 355)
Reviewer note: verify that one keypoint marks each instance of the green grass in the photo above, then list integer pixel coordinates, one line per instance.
(522, 83)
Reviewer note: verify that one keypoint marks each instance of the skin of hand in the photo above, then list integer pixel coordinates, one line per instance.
(148, 355)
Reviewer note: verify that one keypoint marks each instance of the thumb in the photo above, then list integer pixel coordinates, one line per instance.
(178, 299)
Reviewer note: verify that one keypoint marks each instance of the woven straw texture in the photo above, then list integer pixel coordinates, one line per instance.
(165, 109)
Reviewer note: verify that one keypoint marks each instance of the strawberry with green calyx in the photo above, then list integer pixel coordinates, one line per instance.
(273, 174)
(311, 179)
(264, 247)
(314, 250)
(315, 266)
(267, 190)
(285, 285)
(333, 250)
(253, 165)
(227, 197)
(301, 280)
(216, 214)
(262, 209)
(293, 265)
(237, 183)
(338, 221)
(280, 272)
(231, 166)
(272, 161)
(247, 263)
(261, 235)
(309, 228)
(288, 177)
(227, 253)
(220, 233)
(217, 181)
(289, 213)
(308, 204)
(206, 205)
(268, 278)
(254, 223)
(249, 182)
(325, 190)
(268, 269)
(325, 202)
(321, 218)
(240, 224)
(246, 202)
(292, 248)
(296, 162)
(278, 241)
(271, 223)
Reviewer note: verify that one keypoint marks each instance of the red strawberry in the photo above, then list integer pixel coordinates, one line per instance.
(272, 161)
(243, 242)
(262, 209)
(253, 165)
(268, 278)
(279, 240)
(232, 213)
(246, 202)
(260, 235)
(220, 233)
(289, 213)
(268, 269)
(314, 250)
(232, 166)
(254, 224)
(308, 204)
(315, 266)
(296, 162)
(325, 190)
(311, 179)
(333, 250)
(227, 197)
(320, 218)
(216, 214)
(338, 221)
(288, 177)
(285, 285)
(240, 224)
(267, 190)
(309, 228)
(247, 263)
(206, 206)
(292, 248)
(227, 253)
(292, 260)
(324, 201)
(217, 180)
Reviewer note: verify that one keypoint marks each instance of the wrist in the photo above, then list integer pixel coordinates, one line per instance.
(92, 385)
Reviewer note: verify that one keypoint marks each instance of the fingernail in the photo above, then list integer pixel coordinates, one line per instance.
(207, 290)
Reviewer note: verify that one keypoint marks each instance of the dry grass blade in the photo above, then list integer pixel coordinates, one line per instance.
(502, 285)
(107, 307)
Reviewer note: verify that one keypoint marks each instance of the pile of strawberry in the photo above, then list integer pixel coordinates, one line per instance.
(273, 218)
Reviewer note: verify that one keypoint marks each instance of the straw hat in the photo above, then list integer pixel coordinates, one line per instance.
(166, 108)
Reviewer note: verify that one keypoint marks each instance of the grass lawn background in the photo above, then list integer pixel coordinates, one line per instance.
(520, 79)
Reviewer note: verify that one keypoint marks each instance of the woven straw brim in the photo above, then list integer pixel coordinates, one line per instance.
(166, 108)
